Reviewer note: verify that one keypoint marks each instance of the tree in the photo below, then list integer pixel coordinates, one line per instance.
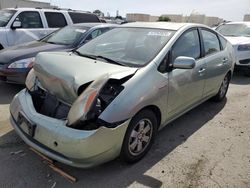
(98, 13)
(164, 19)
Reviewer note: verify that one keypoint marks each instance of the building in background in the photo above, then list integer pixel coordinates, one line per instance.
(24, 3)
(174, 17)
(193, 18)
(247, 17)
(137, 17)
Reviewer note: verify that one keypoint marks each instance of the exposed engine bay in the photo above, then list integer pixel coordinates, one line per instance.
(49, 105)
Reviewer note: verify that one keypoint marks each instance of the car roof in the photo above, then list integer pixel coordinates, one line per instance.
(161, 25)
(245, 23)
(49, 10)
(97, 24)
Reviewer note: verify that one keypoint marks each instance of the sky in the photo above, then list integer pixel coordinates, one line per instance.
(231, 10)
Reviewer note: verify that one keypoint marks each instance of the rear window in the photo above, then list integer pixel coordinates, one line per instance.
(55, 19)
(83, 17)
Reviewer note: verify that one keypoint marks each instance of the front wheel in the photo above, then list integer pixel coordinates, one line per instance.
(247, 72)
(223, 89)
(139, 136)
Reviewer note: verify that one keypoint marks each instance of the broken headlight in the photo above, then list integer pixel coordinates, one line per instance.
(84, 103)
(31, 80)
(93, 101)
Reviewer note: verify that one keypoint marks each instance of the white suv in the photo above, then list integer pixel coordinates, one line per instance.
(19, 25)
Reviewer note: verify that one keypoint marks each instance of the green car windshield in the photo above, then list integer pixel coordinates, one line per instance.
(134, 47)
(5, 16)
(234, 30)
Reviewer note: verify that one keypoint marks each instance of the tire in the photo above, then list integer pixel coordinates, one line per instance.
(220, 96)
(1, 47)
(139, 136)
(247, 72)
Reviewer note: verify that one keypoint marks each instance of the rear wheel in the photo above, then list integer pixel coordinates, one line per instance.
(223, 89)
(139, 136)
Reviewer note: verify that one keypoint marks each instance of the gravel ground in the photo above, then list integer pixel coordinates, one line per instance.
(207, 147)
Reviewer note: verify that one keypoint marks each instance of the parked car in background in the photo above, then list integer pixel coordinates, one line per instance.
(20, 25)
(16, 62)
(238, 33)
(119, 89)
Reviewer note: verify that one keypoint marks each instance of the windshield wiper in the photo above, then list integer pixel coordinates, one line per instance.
(109, 60)
(95, 57)
(84, 55)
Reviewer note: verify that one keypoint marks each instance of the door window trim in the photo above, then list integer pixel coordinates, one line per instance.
(211, 31)
(40, 16)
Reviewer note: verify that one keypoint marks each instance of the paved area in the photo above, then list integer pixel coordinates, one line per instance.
(207, 147)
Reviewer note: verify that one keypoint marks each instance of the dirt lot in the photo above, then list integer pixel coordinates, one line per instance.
(207, 147)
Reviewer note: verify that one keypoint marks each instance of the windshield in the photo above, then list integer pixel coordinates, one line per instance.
(66, 36)
(234, 30)
(128, 46)
(5, 16)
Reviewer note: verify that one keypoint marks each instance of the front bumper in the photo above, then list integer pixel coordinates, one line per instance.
(243, 58)
(16, 76)
(54, 139)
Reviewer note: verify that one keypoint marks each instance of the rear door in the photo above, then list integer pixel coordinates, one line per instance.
(217, 60)
(54, 21)
(32, 28)
(186, 85)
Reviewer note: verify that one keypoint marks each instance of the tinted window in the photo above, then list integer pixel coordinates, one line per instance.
(223, 42)
(83, 18)
(30, 19)
(187, 45)
(5, 16)
(211, 42)
(55, 19)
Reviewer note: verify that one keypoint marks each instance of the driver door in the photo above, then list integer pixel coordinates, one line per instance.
(186, 85)
(30, 30)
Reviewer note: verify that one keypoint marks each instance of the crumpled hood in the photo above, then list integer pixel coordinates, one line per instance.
(238, 40)
(62, 73)
(27, 50)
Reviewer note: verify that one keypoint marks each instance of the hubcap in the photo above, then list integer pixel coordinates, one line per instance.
(224, 86)
(140, 137)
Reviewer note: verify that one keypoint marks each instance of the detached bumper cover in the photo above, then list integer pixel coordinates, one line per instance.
(73, 147)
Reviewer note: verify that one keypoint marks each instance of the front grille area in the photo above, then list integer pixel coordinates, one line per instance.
(245, 61)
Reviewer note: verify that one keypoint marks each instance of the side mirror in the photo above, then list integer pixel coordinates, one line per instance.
(16, 24)
(184, 63)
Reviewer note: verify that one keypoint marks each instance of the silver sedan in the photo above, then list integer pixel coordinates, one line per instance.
(110, 97)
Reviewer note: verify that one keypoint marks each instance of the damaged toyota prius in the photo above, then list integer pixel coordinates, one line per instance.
(119, 90)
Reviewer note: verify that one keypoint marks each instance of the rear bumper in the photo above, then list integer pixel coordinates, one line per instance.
(73, 147)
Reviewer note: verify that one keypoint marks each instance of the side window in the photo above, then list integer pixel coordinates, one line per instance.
(55, 19)
(223, 42)
(187, 45)
(83, 17)
(30, 19)
(211, 42)
(96, 33)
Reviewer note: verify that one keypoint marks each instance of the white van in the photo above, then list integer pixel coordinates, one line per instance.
(20, 25)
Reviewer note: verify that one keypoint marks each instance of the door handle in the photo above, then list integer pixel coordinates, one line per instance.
(224, 60)
(201, 70)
